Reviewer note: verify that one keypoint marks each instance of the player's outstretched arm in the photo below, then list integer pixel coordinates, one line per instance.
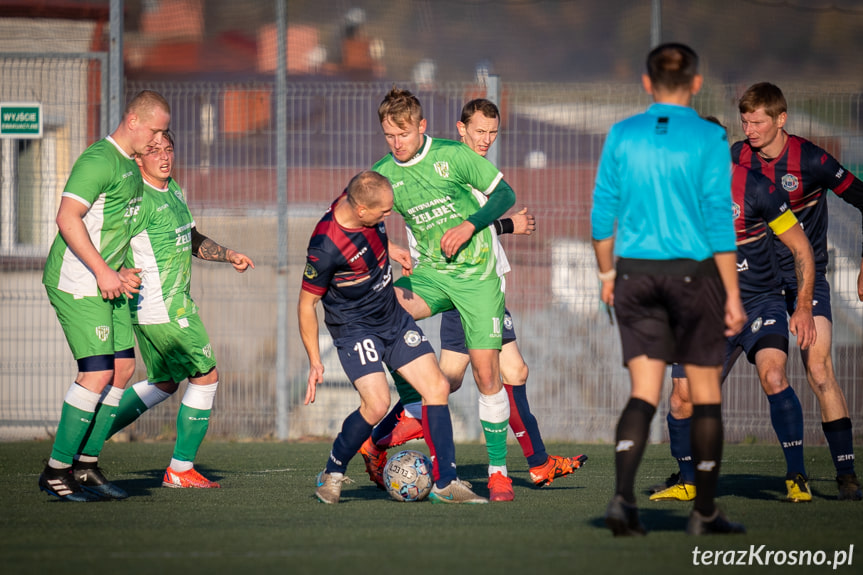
(241, 262)
(802, 324)
(206, 249)
(308, 321)
(401, 256)
(521, 223)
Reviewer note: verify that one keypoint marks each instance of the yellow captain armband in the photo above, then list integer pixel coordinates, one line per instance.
(783, 223)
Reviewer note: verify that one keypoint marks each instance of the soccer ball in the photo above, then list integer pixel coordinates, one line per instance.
(408, 476)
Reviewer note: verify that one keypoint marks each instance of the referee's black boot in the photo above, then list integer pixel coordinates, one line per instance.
(717, 524)
(622, 518)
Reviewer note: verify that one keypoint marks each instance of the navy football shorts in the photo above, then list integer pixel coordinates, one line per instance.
(820, 299)
(364, 352)
(766, 328)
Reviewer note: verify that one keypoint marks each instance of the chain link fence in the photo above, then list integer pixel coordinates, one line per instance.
(551, 138)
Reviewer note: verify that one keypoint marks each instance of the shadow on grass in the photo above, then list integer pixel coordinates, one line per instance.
(761, 487)
(364, 489)
(476, 473)
(654, 519)
(772, 488)
(148, 480)
(145, 482)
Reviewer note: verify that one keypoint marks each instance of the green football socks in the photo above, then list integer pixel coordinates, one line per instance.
(76, 417)
(102, 422)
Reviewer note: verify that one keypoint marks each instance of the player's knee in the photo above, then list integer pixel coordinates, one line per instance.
(485, 381)
(774, 381)
(95, 381)
(123, 373)
(515, 375)
(820, 376)
(818, 370)
(489, 387)
(454, 384)
(168, 386)
(453, 370)
(438, 392)
(211, 376)
(821, 384)
(376, 410)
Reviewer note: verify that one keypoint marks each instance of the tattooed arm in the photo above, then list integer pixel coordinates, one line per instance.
(206, 249)
(801, 323)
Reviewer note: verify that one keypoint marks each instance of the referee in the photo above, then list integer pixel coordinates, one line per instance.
(664, 181)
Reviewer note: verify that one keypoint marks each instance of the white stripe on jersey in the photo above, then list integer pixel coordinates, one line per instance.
(151, 302)
(502, 263)
(75, 277)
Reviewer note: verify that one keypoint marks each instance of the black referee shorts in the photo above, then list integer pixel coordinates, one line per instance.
(671, 310)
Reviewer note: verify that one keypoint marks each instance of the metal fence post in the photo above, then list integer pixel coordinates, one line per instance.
(115, 58)
(493, 92)
(282, 196)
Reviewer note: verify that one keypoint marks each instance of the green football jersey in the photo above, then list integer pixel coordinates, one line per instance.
(109, 183)
(433, 192)
(162, 247)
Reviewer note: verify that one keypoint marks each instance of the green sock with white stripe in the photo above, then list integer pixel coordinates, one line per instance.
(104, 418)
(494, 418)
(193, 420)
(76, 417)
(135, 401)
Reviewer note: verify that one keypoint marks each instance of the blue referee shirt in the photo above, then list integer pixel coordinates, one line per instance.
(665, 179)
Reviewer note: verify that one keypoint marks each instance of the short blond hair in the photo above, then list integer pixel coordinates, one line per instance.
(401, 108)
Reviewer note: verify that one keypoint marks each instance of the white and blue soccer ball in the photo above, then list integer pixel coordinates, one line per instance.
(408, 476)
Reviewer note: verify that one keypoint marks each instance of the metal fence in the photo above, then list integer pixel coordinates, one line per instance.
(550, 141)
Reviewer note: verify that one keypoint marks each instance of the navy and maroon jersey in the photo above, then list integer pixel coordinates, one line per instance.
(806, 172)
(757, 204)
(350, 270)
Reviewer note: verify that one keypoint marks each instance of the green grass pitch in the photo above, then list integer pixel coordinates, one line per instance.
(265, 518)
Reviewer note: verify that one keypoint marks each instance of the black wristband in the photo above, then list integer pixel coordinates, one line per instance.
(504, 226)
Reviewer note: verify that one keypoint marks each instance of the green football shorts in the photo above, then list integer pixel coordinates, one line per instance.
(175, 350)
(480, 302)
(92, 325)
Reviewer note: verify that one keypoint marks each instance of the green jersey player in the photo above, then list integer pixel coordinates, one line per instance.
(173, 342)
(86, 287)
(478, 127)
(433, 182)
